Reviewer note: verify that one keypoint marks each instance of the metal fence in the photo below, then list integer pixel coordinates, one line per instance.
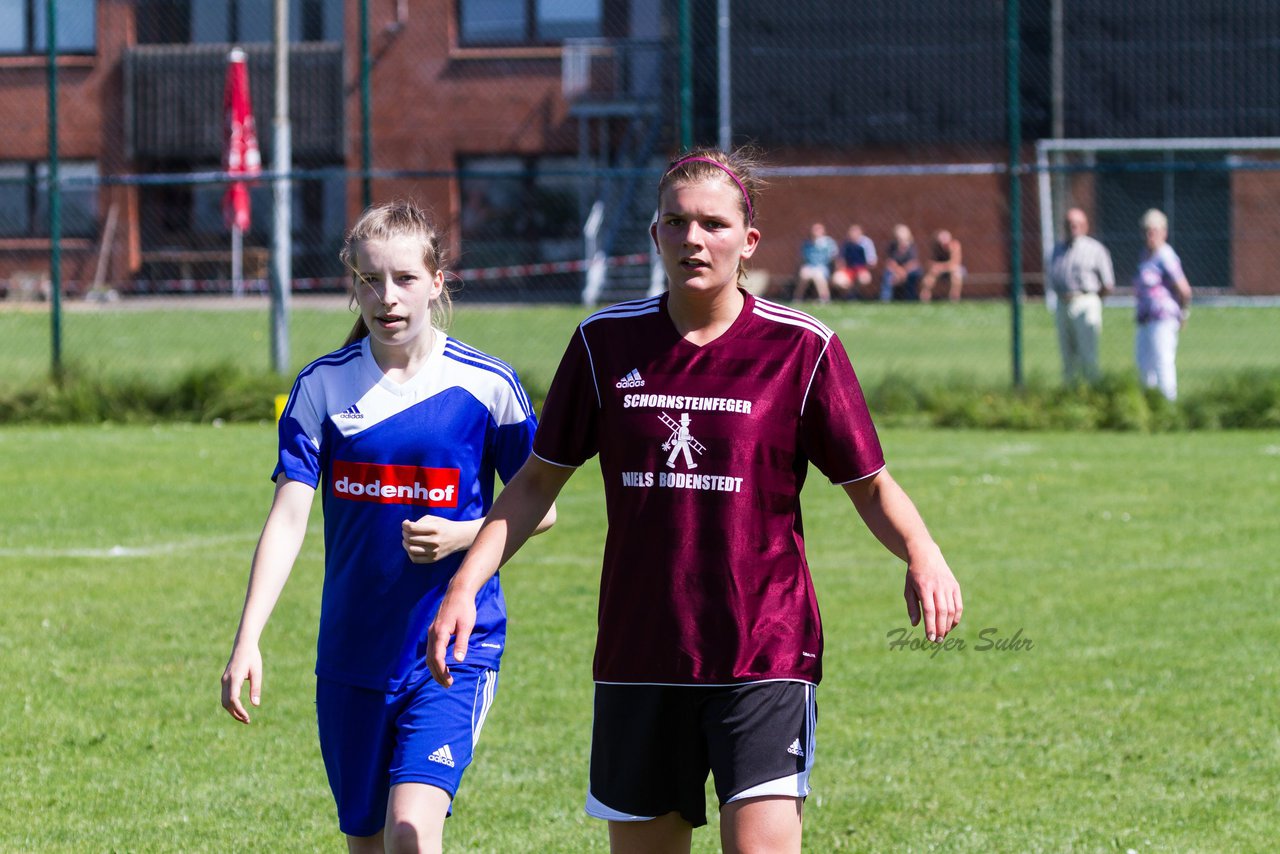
(983, 119)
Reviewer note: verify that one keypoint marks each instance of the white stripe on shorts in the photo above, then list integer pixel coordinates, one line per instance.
(793, 785)
(486, 687)
(595, 809)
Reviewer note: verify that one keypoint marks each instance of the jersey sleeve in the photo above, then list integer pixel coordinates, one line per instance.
(299, 431)
(513, 437)
(567, 432)
(1171, 263)
(836, 431)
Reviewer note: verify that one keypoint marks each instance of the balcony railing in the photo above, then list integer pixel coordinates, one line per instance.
(173, 99)
(612, 76)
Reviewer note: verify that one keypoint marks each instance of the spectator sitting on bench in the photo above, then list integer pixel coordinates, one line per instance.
(816, 257)
(944, 263)
(901, 267)
(857, 257)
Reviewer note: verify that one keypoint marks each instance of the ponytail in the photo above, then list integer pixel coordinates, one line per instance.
(358, 331)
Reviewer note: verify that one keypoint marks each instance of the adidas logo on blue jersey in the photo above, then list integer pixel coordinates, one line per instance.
(443, 755)
(795, 749)
(351, 411)
(631, 380)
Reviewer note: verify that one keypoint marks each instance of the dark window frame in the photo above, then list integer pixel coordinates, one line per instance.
(33, 10)
(521, 226)
(34, 187)
(306, 23)
(531, 36)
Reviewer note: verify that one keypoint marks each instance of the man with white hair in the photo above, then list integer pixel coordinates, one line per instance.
(1081, 274)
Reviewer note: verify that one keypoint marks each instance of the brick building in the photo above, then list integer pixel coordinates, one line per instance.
(453, 87)
(501, 114)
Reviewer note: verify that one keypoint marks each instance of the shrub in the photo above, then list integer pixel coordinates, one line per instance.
(202, 395)
(1247, 400)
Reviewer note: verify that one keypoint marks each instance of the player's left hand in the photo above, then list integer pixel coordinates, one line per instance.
(933, 594)
(455, 620)
(432, 538)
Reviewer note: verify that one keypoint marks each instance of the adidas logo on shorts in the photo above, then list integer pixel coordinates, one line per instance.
(443, 755)
(795, 749)
(631, 380)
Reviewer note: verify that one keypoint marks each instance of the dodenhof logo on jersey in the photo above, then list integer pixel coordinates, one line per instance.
(388, 484)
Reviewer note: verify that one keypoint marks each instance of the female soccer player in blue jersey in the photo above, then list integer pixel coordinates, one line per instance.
(706, 407)
(402, 430)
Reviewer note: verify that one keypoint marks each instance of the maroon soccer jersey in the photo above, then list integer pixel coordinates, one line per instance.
(704, 450)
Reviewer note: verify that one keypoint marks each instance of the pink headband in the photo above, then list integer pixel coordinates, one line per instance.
(746, 198)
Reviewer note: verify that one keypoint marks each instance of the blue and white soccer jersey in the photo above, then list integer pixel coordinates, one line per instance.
(383, 452)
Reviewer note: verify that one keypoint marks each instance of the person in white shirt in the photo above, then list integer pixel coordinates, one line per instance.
(1081, 274)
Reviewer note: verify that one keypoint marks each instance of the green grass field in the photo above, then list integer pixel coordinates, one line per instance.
(1143, 716)
(969, 342)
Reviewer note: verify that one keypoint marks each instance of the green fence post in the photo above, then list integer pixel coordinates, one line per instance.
(366, 95)
(55, 191)
(686, 76)
(1013, 111)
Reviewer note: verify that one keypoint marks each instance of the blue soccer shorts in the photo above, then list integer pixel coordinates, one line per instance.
(652, 746)
(371, 740)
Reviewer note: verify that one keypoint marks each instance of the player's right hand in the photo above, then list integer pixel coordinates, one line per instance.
(244, 664)
(455, 619)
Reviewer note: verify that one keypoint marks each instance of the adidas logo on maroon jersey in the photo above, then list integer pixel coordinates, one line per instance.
(631, 380)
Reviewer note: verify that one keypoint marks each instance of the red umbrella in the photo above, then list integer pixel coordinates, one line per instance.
(241, 156)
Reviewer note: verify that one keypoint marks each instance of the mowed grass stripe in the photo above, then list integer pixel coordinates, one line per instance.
(1141, 569)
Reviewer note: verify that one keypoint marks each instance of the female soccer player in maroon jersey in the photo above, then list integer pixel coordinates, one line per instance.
(706, 406)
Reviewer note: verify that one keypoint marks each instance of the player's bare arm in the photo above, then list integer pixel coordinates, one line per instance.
(273, 560)
(526, 505)
(931, 590)
(1183, 291)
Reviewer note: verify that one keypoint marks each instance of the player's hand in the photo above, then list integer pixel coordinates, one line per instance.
(933, 594)
(455, 619)
(433, 538)
(245, 663)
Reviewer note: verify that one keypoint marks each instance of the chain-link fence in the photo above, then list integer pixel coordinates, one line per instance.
(536, 132)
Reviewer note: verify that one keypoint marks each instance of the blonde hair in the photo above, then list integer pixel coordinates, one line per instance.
(737, 168)
(387, 221)
(1155, 219)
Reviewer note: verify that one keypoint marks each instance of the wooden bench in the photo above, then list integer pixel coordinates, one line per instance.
(209, 263)
(28, 286)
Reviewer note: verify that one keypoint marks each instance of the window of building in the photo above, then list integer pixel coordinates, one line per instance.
(190, 217)
(235, 21)
(24, 199)
(15, 210)
(24, 26)
(527, 22)
(519, 210)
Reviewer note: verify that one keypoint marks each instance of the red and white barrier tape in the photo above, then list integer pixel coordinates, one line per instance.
(304, 284)
(575, 266)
